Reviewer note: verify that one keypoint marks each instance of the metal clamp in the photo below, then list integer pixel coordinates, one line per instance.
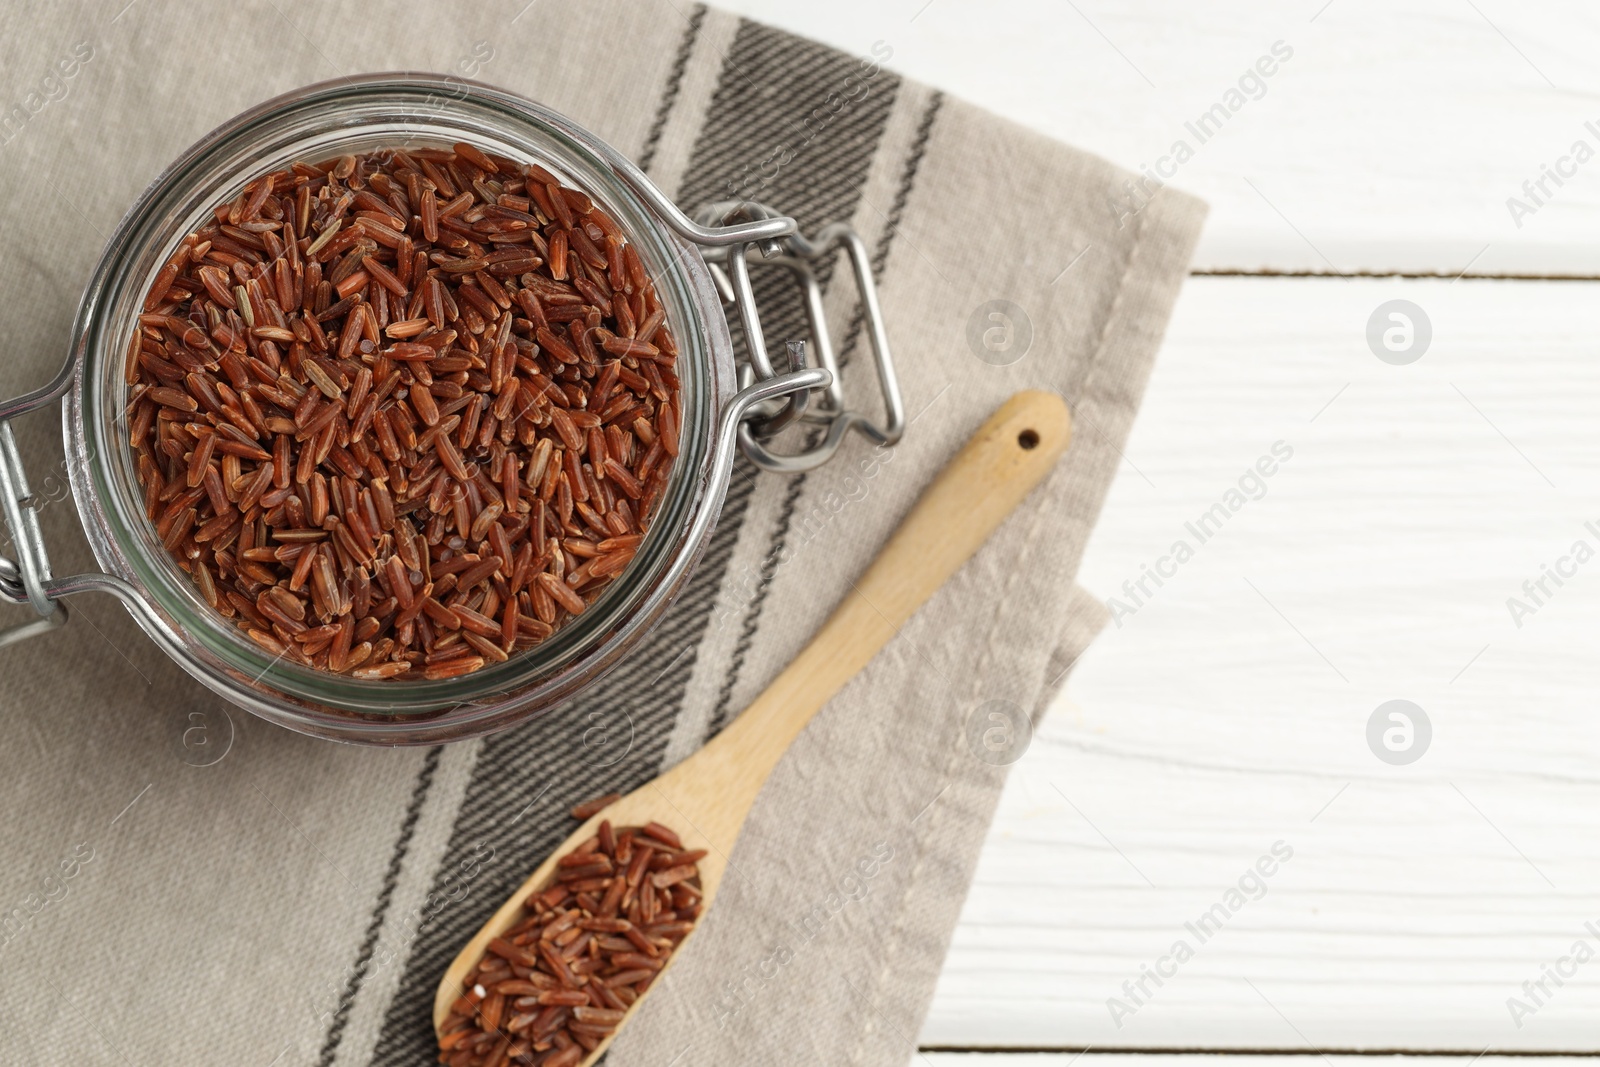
(23, 581)
(825, 406)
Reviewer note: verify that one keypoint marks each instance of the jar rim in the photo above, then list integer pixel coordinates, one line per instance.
(315, 122)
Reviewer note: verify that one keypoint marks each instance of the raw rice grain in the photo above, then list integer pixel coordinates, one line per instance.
(392, 412)
(559, 982)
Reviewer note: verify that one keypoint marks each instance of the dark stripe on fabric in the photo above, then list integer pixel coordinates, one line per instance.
(880, 260)
(897, 210)
(614, 736)
(809, 120)
(691, 33)
(752, 621)
(391, 877)
(908, 179)
(813, 199)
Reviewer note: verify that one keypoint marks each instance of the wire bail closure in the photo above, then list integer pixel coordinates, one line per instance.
(823, 408)
(22, 581)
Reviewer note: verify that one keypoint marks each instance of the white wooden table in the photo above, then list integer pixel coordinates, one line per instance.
(1230, 710)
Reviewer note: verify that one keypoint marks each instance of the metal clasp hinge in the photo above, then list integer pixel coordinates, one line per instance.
(823, 408)
(23, 580)
(726, 232)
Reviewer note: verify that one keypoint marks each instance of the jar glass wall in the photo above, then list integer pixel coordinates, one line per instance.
(322, 122)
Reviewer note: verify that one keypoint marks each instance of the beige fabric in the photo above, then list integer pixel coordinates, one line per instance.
(157, 911)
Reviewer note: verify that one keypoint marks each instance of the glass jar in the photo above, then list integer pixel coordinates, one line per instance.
(698, 268)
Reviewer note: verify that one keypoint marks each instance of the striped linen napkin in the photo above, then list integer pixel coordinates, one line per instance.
(184, 883)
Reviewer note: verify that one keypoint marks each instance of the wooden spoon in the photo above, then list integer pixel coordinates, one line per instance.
(707, 796)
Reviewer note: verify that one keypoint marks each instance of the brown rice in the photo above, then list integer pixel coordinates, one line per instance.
(403, 414)
(558, 983)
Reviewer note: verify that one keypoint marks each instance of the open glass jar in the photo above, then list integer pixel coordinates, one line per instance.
(699, 270)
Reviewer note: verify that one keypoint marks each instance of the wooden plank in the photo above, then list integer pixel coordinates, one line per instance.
(1229, 710)
(1390, 140)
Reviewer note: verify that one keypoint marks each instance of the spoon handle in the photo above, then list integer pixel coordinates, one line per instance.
(1004, 460)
